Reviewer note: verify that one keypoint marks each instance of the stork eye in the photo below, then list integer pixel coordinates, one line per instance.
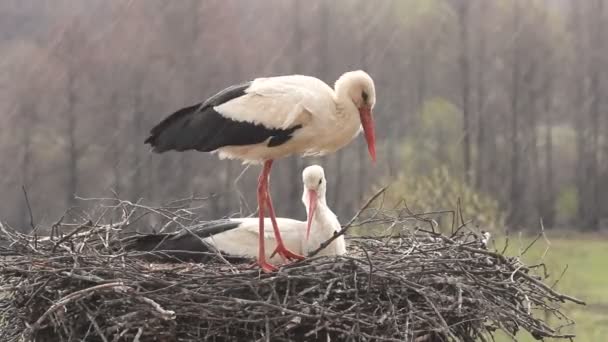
(364, 96)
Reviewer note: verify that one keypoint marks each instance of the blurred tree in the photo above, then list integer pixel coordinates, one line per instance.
(597, 37)
(507, 95)
(463, 13)
(485, 147)
(27, 122)
(74, 54)
(435, 141)
(440, 190)
(547, 200)
(515, 192)
(297, 60)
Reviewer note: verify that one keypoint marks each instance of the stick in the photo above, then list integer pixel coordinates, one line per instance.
(70, 298)
(349, 224)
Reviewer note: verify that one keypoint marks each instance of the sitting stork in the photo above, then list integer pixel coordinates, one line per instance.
(237, 239)
(270, 118)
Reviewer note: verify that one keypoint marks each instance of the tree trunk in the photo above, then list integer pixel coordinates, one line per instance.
(72, 149)
(323, 61)
(362, 175)
(137, 181)
(536, 190)
(548, 207)
(514, 218)
(116, 144)
(226, 194)
(481, 98)
(594, 113)
(463, 16)
(27, 122)
(578, 107)
(295, 162)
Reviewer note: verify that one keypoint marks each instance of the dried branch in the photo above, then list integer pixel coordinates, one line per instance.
(349, 224)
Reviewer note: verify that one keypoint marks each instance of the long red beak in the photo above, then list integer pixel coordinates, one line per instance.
(368, 129)
(312, 207)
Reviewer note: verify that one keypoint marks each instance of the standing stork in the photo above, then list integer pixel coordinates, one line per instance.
(238, 238)
(270, 118)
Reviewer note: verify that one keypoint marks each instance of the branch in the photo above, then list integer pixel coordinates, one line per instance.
(70, 298)
(349, 224)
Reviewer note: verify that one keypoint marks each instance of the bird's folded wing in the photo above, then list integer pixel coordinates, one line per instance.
(288, 227)
(281, 102)
(208, 229)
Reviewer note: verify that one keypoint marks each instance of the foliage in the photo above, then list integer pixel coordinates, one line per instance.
(435, 146)
(566, 204)
(435, 141)
(412, 13)
(564, 140)
(439, 190)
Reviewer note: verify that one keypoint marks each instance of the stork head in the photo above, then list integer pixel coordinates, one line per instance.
(358, 86)
(315, 186)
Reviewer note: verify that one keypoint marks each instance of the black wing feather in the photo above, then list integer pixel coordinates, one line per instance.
(184, 245)
(201, 128)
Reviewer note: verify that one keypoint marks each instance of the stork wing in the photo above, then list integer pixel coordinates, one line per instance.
(201, 127)
(281, 102)
(208, 229)
(289, 228)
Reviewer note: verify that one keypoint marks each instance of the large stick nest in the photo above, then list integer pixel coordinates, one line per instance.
(413, 284)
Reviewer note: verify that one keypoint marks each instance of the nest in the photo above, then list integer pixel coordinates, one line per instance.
(412, 284)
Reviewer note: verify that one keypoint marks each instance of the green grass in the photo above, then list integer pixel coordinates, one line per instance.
(586, 278)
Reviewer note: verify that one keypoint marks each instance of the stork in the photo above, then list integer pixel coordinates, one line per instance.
(271, 118)
(239, 238)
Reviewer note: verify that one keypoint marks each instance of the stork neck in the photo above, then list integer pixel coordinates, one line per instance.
(323, 219)
(324, 225)
(344, 103)
(342, 93)
(347, 112)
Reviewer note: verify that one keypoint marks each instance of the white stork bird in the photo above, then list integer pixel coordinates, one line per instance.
(270, 118)
(238, 238)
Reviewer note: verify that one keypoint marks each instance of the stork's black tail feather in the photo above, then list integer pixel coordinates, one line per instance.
(145, 243)
(186, 245)
(169, 126)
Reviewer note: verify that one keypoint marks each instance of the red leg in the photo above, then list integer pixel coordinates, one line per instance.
(262, 190)
(281, 249)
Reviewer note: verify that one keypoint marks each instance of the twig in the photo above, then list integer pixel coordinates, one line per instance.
(140, 331)
(166, 314)
(70, 298)
(349, 224)
(72, 233)
(97, 328)
(29, 209)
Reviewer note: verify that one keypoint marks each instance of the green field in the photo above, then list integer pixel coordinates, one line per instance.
(586, 278)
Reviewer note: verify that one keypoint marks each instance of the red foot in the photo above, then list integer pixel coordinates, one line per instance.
(266, 267)
(287, 254)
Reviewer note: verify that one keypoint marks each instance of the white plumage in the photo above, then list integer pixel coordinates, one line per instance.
(236, 238)
(279, 102)
(272, 118)
(243, 241)
(330, 119)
